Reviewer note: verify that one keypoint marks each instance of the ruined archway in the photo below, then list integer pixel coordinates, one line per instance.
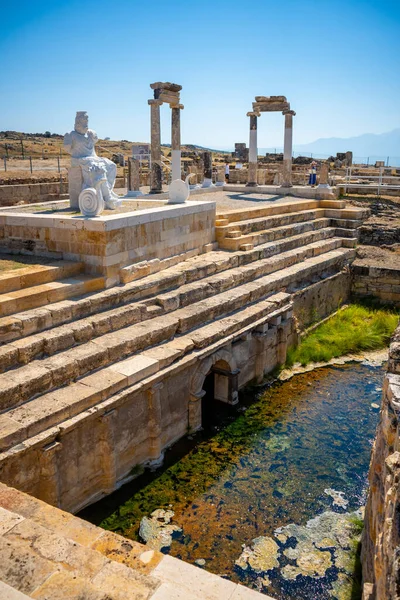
(271, 104)
(215, 379)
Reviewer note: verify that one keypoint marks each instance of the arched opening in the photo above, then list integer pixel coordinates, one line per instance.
(220, 395)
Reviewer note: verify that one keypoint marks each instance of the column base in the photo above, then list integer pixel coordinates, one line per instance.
(286, 185)
(155, 191)
(252, 184)
(207, 183)
(133, 194)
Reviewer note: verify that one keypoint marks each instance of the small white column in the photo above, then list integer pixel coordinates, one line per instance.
(176, 142)
(288, 149)
(252, 171)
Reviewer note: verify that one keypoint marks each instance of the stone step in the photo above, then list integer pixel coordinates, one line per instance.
(332, 208)
(240, 214)
(43, 294)
(49, 554)
(18, 279)
(249, 226)
(34, 321)
(273, 234)
(41, 375)
(26, 349)
(52, 408)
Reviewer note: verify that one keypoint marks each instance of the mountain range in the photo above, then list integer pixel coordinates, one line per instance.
(374, 145)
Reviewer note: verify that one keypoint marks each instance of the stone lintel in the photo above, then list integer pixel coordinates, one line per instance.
(270, 99)
(270, 106)
(289, 112)
(168, 97)
(166, 85)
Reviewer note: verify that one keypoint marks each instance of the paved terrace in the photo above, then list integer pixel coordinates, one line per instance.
(49, 554)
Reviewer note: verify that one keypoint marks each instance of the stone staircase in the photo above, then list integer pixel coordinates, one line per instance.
(48, 554)
(67, 356)
(245, 229)
(38, 285)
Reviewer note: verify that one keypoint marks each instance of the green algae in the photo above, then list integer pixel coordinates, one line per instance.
(264, 468)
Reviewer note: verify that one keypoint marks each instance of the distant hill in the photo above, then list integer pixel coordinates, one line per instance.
(368, 144)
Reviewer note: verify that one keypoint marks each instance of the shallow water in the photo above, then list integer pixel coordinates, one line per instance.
(263, 464)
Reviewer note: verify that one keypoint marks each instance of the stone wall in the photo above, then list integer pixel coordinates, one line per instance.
(381, 538)
(93, 453)
(107, 243)
(321, 299)
(38, 192)
(377, 282)
(379, 234)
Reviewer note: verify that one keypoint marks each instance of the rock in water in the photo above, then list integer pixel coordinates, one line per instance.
(262, 557)
(200, 562)
(157, 531)
(338, 497)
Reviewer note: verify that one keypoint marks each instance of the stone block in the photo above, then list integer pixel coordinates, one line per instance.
(10, 593)
(190, 578)
(75, 183)
(62, 585)
(136, 368)
(32, 569)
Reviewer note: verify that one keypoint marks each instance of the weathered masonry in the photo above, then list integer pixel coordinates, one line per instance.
(97, 381)
(381, 538)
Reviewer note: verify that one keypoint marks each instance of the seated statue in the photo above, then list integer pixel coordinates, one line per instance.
(98, 174)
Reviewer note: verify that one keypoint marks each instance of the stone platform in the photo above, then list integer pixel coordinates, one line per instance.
(48, 554)
(142, 230)
(300, 191)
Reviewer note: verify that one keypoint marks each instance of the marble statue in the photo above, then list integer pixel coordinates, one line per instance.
(179, 191)
(97, 174)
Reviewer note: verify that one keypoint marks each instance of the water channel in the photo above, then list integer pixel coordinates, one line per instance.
(268, 493)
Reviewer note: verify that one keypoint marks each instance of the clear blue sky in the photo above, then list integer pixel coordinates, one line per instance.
(338, 63)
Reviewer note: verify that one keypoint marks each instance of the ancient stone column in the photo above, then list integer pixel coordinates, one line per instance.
(193, 180)
(324, 176)
(288, 148)
(207, 161)
(194, 411)
(220, 176)
(155, 131)
(252, 172)
(133, 178)
(176, 141)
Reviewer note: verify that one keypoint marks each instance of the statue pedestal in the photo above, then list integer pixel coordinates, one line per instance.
(75, 183)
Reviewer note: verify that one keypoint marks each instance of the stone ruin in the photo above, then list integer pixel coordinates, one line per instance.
(271, 104)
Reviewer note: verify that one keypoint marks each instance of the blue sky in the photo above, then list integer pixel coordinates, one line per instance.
(338, 63)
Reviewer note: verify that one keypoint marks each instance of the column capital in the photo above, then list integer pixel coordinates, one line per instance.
(180, 106)
(154, 101)
(289, 112)
(252, 114)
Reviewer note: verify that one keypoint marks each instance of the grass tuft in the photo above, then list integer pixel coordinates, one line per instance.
(353, 329)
